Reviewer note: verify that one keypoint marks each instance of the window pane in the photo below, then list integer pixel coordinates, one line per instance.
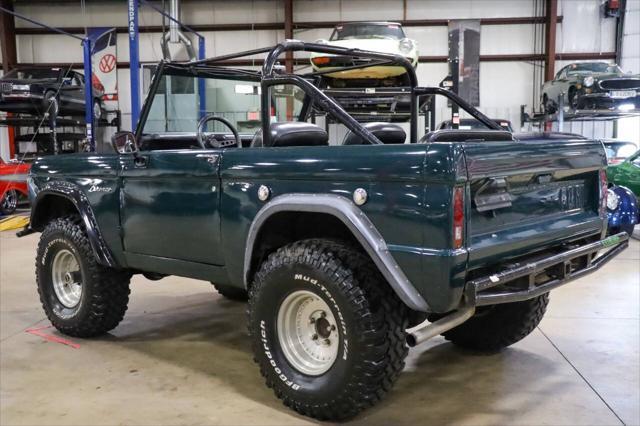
(287, 100)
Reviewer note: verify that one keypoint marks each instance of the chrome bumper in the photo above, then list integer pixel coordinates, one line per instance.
(522, 281)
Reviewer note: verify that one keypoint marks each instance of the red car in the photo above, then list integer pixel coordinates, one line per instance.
(13, 185)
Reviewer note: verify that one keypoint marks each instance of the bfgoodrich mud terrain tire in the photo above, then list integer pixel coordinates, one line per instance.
(80, 297)
(330, 291)
(493, 328)
(232, 293)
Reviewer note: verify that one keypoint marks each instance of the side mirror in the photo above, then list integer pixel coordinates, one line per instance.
(124, 142)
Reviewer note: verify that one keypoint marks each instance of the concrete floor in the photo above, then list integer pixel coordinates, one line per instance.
(181, 356)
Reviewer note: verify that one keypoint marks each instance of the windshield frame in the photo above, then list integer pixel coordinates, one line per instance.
(201, 71)
(387, 25)
(610, 68)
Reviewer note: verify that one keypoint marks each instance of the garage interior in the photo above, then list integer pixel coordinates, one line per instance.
(182, 354)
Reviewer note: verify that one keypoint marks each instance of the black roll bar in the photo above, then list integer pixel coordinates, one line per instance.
(269, 78)
(422, 91)
(320, 99)
(299, 46)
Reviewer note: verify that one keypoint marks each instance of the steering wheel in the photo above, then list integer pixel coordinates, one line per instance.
(204, 139)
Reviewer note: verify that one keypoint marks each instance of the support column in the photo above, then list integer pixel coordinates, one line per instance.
(288, 61)
(8, 37)
(551, 25)
(134, 61)
(288, 32)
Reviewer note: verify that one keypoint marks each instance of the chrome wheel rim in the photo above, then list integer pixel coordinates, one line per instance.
(10, 201)
(308, 333)
(66, 278)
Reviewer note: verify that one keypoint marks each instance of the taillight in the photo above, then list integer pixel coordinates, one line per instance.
(320, 60)
(458, 216)
(603, 193)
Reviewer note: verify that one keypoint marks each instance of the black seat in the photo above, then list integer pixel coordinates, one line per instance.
(387, 133)
(292, 133)
(455, 135)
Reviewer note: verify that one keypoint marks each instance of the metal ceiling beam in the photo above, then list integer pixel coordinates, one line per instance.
(423, 59)
(297, 25)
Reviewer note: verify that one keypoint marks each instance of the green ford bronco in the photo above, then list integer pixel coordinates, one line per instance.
(350, 241)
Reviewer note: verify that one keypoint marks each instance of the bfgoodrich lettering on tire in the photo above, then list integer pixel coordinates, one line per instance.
(328, 333)
(80, 297)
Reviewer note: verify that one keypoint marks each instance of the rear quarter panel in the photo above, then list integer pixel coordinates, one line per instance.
(410, 211)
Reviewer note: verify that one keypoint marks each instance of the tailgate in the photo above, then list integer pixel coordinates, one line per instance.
(528, 195)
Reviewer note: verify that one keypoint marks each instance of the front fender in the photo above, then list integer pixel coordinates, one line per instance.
(46, 198)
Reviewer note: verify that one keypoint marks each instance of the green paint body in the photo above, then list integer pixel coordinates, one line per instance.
(188, 212)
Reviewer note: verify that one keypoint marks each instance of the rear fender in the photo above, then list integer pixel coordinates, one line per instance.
(357, 223)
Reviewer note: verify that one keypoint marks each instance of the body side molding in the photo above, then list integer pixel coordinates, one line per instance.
(73, 194)
(357, 222)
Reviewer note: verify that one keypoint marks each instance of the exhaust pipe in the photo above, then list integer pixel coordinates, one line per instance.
(426, 330)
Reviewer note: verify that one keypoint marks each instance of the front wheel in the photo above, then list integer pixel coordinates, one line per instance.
(97, 109)
(573, 98)
(495, 327)
(328, 333)
(80, 297)
(547, 107)
(9, 202)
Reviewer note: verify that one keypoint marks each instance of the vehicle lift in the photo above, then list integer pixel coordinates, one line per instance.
(544, 121)
(54, 122)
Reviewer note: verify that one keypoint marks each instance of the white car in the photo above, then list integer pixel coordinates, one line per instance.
(386, 37)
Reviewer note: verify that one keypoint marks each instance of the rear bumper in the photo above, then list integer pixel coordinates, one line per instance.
(523, 281)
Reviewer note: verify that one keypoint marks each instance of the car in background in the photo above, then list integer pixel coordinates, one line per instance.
(31, 91)
(592, 85)
(472, 124)
(13, 185)
(618, 151)
(626, 173)
(386, 37)
(622, 210)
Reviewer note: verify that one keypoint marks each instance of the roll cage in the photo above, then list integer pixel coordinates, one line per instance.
(273, 75)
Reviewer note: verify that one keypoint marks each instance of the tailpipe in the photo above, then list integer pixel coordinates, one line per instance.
(426, 330)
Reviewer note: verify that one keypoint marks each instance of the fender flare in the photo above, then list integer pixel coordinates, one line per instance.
(359, 225)
(80, 201)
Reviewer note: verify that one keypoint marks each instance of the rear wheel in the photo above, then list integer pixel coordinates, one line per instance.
(327, 331)
(495, 327)
(80, 297)
(9, 202)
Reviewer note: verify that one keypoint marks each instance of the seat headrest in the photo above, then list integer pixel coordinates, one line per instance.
(387, 133)
(293, 133)
(456, 135)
